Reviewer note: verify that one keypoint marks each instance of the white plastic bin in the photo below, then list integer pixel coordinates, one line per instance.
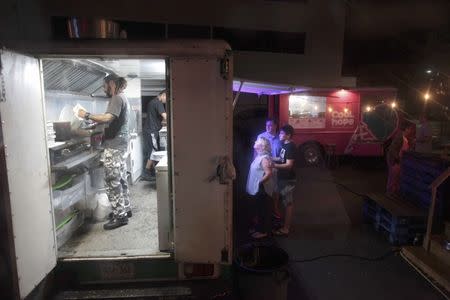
(63, 199)
(65, 232)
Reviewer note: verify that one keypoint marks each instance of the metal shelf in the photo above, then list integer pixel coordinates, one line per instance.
(75, 161)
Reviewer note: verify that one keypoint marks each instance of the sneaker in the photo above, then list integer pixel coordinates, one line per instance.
(116, 223)
(148, 177)
(111, 215)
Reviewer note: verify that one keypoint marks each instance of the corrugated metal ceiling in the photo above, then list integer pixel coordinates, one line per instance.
(86, 76)
(68, 75)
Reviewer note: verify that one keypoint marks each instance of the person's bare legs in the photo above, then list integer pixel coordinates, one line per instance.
(276, 207)
(149, 165)
(288, 218)
(147, 174)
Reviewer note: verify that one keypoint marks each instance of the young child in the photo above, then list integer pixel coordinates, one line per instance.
(286, 177)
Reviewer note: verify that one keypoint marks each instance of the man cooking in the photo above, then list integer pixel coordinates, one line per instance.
(115, 146)
(156, 116)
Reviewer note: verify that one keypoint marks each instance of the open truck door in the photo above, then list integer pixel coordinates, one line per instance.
(201, 94)
(26, 170)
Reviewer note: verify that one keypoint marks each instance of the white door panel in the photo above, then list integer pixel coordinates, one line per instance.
(201, 123)
(24, 133)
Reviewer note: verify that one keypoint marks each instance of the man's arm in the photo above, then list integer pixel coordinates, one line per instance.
(100, 118)
(267, 170)
(286, 166)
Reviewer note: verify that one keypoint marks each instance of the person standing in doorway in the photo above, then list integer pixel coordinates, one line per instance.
(394, 155)
(156, 116)
(115, 144)
(271, 135)
(286, 177)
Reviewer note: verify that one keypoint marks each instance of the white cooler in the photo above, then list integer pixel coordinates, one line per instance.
(164, 209)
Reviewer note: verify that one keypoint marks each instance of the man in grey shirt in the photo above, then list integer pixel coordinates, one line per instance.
(116, 145)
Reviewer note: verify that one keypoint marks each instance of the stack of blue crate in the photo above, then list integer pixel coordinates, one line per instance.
(401, 222)
(418, 172)
(403, 217)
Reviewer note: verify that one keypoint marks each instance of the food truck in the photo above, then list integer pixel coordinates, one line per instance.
(53, 195)
(357, 121)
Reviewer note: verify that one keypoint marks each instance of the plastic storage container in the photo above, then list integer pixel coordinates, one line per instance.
(97, 178)
(65, 230)
(63, 199)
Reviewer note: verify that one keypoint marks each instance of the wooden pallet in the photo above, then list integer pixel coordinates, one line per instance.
(400, 221)
(398, 207)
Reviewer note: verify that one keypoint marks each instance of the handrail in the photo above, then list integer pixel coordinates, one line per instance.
(434, 186)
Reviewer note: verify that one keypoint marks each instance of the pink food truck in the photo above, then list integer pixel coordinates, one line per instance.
(332, 121)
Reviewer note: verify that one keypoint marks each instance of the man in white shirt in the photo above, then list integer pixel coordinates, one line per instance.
(424, 136)
(272, 136)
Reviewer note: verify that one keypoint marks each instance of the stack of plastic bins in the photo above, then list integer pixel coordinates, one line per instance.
(68, 205)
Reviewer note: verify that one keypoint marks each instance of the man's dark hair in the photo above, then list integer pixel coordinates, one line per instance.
(407, 125)
(274, 121)
(120, 82)
(288, 129)
(162, 92)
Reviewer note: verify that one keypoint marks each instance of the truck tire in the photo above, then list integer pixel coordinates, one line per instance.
(311, 154)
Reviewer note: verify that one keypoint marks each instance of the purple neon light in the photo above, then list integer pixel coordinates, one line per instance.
(263, 89)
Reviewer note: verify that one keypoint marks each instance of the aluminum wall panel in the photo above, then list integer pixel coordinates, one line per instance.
(201, 126)
(24, 135)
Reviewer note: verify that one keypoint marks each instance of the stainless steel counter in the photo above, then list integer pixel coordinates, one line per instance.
(75, 160)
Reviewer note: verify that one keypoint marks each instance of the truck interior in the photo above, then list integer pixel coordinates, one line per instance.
(80, 205)
(54, 201)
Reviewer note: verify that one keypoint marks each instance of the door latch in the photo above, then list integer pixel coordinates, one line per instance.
(225, 171)
(224, 255)
(225, 66)
(2, 84)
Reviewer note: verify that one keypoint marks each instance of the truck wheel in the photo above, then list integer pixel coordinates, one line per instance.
(311, 154)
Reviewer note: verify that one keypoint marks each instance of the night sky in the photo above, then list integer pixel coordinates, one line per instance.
(394, 43)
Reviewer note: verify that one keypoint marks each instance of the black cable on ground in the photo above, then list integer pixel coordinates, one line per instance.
(336, 183)
(348, 189)
(371, 259)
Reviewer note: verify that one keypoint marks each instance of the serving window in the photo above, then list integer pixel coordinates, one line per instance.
(307, 111)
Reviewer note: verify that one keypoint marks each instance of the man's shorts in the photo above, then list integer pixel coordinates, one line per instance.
(152, 143)
(286, 189)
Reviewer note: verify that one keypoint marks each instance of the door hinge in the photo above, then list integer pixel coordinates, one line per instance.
(224, 255)
(2, 83)
(225, 66)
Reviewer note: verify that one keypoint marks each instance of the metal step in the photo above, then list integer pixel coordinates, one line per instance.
(160, 293)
